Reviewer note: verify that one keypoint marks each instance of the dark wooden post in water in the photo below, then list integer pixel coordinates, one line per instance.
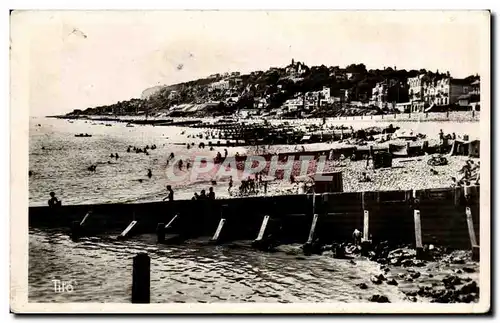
(418, 226)
(141, 278)
(160, 233)
(76, 230)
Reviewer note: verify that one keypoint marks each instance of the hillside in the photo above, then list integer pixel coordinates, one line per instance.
(267, 91)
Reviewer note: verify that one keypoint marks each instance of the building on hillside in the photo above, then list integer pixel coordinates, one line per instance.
(220, 85)
(346, 94)
(416, 92)
(318, 98)
(260, 103)
(173, 95)
(352, 75)
(293, 104)
(295, 69)
(247, 113)
(236, 81)
(445, 91)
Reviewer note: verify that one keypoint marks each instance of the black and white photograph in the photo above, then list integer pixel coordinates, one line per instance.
(250, 161)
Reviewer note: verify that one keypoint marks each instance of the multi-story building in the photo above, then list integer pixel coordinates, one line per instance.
(445, 91)
(293, 104)
(220, 85)
(416, 92)
(438, 91)
(295, 69)
(319, 98)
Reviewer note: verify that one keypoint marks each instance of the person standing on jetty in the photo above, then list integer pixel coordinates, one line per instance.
(150, 174)
(53, 202)
(170, 195)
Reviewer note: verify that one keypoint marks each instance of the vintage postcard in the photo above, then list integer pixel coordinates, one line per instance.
(250, 161)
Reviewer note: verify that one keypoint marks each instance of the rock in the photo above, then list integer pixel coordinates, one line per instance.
(458, 271)
(411, 292)
(362, 286)
(381, 277)
(407, 263)
(469, 270)
(469, 288)
(379, 299)
(395, 261)
(451, 280)
(411, 298)
(415, 275)
(467, 298)
(409, 279)
(457, 260)
(392, 282)
(352, 262)
(401, 275)
(374, 279)
(382, 260)
(419, 263)
(431, 275)
(446, 297)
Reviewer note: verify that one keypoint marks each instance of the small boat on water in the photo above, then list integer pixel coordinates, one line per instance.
(108, 125)
(129, 125)
(83, 135)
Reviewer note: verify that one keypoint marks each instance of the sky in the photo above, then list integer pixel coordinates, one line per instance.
(77, 59)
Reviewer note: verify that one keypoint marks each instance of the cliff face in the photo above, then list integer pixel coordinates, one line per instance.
(265, 90)
(147, 93)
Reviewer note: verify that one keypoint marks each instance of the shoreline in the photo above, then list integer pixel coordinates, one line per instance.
(454, 116)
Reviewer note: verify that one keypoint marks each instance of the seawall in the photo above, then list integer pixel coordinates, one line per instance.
(391, 216)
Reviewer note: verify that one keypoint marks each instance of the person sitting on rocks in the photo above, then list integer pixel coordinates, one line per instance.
(203, 195)
(54, 202)
(170, 195)
(211, 193)
(356, 236)
(195, 196)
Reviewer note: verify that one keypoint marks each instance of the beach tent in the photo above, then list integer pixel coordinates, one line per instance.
(465, 148)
